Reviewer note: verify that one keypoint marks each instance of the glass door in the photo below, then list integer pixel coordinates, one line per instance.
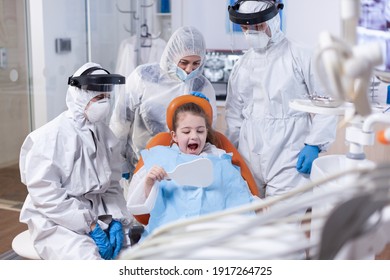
(14, 99)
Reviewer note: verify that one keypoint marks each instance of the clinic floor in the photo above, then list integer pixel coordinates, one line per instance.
(12, 195)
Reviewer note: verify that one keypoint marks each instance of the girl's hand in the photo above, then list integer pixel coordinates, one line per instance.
(156, 173)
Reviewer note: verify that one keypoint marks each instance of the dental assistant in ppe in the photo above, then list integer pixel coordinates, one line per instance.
(150, 88)
(75, 208)
(278, 143)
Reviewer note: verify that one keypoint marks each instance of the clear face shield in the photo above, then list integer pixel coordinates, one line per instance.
(102, 91)
(260, 27)
(250, 17)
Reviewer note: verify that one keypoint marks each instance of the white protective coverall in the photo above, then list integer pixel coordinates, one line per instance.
(72, 169)
(266, 131)
(149, 90)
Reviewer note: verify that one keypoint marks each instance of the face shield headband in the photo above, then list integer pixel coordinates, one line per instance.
(253, 18)
(96, 82)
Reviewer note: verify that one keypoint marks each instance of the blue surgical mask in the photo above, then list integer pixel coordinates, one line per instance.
(182, 75)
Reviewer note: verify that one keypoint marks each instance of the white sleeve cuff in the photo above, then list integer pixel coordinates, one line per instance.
(138, 204)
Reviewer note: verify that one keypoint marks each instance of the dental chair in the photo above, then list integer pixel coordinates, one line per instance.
(165, 139)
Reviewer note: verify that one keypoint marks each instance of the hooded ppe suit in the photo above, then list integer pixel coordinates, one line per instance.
(150, 88)
(267, 132)
(71, 168)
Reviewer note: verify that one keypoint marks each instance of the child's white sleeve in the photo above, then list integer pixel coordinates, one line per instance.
(137, 202)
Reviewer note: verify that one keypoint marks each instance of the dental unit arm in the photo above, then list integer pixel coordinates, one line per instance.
(345, 70)
(383, 136)
(361, 133)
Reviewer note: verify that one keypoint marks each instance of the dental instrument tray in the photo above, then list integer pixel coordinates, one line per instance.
(325, 101)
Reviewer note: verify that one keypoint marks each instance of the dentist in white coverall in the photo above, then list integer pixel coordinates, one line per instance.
(278, 143)
(75, 208)
(151, 87)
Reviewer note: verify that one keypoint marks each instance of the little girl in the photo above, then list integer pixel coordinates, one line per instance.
(166, 201)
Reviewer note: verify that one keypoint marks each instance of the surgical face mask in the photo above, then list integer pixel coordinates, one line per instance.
(182, 75)
(257, 39)
(98, 110)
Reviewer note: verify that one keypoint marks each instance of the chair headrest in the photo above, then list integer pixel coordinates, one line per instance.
(180, 100)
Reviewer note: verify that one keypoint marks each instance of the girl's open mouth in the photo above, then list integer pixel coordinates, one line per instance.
(192, 146)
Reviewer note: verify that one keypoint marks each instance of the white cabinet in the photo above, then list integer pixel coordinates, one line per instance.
(221, 123)
(163, 19)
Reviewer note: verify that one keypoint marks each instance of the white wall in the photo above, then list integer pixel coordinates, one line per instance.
(211, 18)
(304, 19)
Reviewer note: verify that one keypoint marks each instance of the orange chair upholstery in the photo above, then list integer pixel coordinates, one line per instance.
(165, 139)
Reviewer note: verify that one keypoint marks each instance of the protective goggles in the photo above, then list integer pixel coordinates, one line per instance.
(96, 82)
(253, 18)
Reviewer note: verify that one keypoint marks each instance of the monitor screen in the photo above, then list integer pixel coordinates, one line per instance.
(374, 25)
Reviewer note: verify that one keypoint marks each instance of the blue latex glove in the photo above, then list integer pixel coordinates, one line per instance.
(199, 94)
(306, 157)
(101, 239)
(116, 237)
